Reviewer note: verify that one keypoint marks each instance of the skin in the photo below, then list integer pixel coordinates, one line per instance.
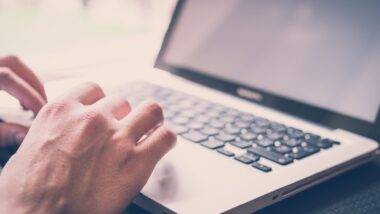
(19, 81)
(84, 153)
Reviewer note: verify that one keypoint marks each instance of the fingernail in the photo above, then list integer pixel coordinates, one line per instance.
(19, 138)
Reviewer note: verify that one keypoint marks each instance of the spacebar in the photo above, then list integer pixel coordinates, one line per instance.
(275, 157)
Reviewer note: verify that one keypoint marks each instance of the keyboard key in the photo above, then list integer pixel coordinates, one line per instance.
(231, 130)
(261, 167)
(241, 144)
(212, 144)
(178, 129)
(270, 155)
(324, 144)
(333, 141)
(225, 152)
(213, 113)
(174, 108)
(282, 149)
(217, 107)
(248, 136)
(246, 159)
(275, 136)
(216, 124)
(261, 122)
(301, 152)
(180, 120)
(186, 103)
(225, 137)
(295, 133)
(209, 131)
(232, 112)
(227, 119)
(265, 142)
(241, 124)
(311, 138)
(195, 136)
(258, 130)
(195, 125)
(188, 113)
(253, 156)
(168, 114)
(260, 137)
(336, 142)
(310, 148)
(201, 107)
(247, 118)
(204, 118)
(292, 142)
(278, 127)
(175, 98)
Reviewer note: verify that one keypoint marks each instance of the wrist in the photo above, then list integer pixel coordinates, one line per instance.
(19, 201)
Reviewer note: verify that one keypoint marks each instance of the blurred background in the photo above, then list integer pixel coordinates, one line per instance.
(57, 38)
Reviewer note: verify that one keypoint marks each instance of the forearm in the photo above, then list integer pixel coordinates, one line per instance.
(29, 197)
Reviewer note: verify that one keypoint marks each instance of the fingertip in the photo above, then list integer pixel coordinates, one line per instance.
(153, 108)
(86, 93)
(35, 106)
(144, 118)
(158, 144)
(44, 96)
(170, 138)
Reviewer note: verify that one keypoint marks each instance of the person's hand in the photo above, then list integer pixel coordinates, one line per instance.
(84, 153)
(19, 81)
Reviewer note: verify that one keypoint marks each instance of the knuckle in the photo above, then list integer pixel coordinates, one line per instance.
(130, 131)
(55, 107)
(123, 145)
(94, 116)
(154, 109)
(93, 121)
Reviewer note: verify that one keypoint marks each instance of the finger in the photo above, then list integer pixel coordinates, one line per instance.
(12, 134)
(13, 63)
(156, 145)
(116, 105)
(145, 117)
(20, 89)
(87, 93)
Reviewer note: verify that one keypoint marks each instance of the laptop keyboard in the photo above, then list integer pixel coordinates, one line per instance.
(214, 126)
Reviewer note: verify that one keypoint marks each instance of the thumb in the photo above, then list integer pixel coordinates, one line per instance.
(12, 134)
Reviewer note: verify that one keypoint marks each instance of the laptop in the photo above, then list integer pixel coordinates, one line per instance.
(268, 98)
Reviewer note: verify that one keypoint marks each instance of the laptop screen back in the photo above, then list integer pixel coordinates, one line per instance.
(322, 53)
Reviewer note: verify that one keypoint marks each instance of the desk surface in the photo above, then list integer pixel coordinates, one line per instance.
(356, 191)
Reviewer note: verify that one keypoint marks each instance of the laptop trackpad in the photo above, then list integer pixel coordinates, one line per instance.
(164, 181)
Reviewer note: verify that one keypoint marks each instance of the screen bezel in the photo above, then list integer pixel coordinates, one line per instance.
(314, 114)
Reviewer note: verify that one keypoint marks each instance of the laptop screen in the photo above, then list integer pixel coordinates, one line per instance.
(322, 53)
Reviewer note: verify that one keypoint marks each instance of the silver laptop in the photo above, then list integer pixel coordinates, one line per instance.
(268, 98)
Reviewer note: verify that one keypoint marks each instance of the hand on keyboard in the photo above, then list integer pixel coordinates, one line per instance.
(85, 153)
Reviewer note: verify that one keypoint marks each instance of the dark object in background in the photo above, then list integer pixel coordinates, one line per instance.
(6, 153)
